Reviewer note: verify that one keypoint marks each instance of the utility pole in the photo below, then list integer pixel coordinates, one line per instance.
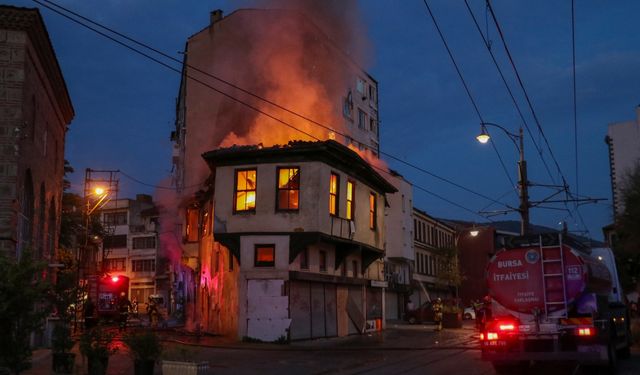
(523, 183)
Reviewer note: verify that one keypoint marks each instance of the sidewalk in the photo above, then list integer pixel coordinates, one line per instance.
(398, 336)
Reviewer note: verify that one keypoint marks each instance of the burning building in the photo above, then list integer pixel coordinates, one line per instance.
(261, 78)
(295, 244)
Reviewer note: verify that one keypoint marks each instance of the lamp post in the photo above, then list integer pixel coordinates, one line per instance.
(523, 183)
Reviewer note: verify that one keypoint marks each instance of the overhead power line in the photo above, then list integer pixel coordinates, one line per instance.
(229, 96)
(487, 44)
(466, 88)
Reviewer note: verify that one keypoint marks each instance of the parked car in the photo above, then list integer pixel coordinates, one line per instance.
(469, 313)
(424, 313)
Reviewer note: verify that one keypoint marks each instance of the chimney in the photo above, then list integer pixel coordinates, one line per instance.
(216, 16)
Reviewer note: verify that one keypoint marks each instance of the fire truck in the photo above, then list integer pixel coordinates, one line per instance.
(106, 291)
(554, 299)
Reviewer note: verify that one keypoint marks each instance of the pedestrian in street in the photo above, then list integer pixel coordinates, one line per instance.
(124, 305)
(152, 312)
(437, 313)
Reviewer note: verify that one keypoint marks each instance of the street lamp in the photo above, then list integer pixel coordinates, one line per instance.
(523, 183)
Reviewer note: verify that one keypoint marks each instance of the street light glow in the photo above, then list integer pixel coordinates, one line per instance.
(99, 191)
(474, 232)
(483, 137)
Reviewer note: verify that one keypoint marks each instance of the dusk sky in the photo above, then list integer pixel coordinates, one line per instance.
(125, 104)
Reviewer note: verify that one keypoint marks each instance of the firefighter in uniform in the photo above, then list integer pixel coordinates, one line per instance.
(437, 313)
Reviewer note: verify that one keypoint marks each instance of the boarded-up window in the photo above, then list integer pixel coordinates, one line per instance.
(265, 256)
(288, 188)
(245, 190)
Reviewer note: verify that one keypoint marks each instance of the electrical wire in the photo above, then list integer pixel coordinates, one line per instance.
(466, 87)
(530, 105)
(508, 88)
(245, 91)
(248, 105)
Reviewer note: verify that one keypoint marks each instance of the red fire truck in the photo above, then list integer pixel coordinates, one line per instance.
(106, 291)
(554, 299)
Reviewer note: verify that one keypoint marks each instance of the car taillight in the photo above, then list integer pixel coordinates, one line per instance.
(507, 327)
(585, 331)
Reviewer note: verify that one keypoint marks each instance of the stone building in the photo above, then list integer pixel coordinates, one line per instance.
(35, 112)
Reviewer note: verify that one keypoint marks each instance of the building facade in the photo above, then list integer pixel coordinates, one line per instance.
(130, 246)
(35, 112)
(435, 249)
(623, 140)
(399, 249)
(292, 242)
(281, 63)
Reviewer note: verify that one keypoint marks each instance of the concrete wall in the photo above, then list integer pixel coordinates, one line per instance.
(399, 220)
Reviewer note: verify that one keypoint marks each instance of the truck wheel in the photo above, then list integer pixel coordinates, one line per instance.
(412, 320)
(467, 316)
(510, 368)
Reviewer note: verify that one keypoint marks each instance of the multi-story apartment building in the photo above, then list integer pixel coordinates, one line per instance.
(432, 239)
(279, 55)
(130, 246)
(399, 249)
(291, 242)
(313, 90)
(35, 111)
(623, 139)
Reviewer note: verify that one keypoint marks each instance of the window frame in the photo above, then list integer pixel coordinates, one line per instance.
(351, 203)
(322, 261)
(135, 241)
(263, 264)
(336, 195)
(235, 191)
(142, 263)
(304, 259)
(373, 211)
(278, 189)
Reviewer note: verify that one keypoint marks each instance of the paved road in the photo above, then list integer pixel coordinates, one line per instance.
(401, 349)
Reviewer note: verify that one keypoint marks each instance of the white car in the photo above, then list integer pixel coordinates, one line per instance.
(469, 313)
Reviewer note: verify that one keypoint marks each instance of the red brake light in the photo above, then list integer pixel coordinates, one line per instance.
(115, 279)
(585, 331)
(507, 327)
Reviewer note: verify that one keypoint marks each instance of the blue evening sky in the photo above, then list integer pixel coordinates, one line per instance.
(125, 104)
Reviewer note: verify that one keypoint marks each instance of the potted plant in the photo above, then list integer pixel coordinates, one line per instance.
(97, 345)
(180, 362)
(65, 293)
(61, 345)
(145, 346)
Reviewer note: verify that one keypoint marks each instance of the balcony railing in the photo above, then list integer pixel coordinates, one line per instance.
(342, 227)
